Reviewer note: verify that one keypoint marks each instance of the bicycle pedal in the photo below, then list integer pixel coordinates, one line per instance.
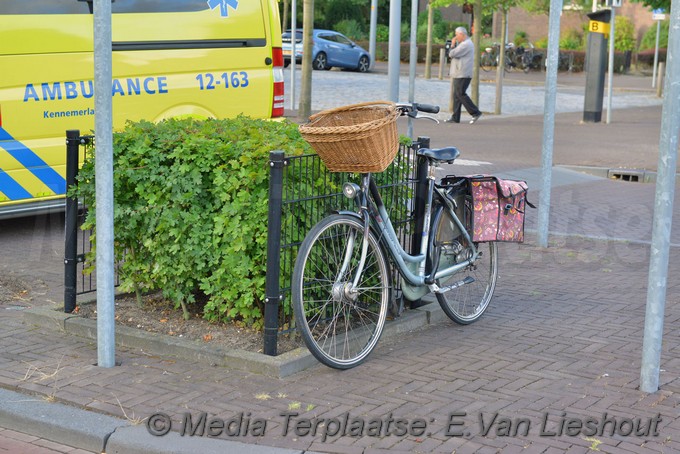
(462, 282)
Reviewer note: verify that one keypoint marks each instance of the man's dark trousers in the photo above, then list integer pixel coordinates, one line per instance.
(460, 98)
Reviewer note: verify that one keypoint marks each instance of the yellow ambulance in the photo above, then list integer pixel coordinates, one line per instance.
(206, 58)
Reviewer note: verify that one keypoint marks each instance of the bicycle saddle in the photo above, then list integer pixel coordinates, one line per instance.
(448, 154)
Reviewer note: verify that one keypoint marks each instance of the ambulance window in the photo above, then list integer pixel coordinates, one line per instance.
(43, 7)
(83, 7)
(158, 6)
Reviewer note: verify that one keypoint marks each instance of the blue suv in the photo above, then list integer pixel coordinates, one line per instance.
(330, 49)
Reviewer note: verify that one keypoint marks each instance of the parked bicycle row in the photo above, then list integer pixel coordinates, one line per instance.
(520, 57)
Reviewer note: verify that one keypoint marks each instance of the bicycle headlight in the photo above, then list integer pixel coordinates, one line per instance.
(350, 190)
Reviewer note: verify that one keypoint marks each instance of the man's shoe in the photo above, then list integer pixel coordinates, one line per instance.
(475, 118)
(451, 120)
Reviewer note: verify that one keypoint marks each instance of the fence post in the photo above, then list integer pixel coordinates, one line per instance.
(419, 202)
(71, 228)
(420, 192)
(272, 290)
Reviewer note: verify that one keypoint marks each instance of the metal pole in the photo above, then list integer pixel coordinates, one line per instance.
(656, 53)
(500, 68)
(106, 347)
(272, 289)
(663, 212)
(71, 227)
(373, 31)
(393, 58)
(549, 121)
(293, 36)
(413, 60)
(428, 42)
(610, 73)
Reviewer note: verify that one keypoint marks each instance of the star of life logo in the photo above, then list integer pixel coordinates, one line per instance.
(223, 5)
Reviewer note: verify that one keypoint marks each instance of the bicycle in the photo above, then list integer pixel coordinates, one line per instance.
(491, 56)
(341, 279)
(525, 57)
(488, 59)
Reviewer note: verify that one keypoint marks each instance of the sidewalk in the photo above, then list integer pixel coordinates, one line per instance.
(556, 356)
(523, 94)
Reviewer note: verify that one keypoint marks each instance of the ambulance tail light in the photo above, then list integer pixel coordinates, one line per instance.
(278, 101)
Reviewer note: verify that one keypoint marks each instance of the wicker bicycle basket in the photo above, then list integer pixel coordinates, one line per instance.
(355, 138)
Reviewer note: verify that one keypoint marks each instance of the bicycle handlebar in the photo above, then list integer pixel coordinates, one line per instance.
(411, 109)
(429, 108)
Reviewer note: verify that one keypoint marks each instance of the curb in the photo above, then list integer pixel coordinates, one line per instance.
(280, 366)
(56, 422)
(96, 432)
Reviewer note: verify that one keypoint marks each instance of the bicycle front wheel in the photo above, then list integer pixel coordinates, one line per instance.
(509, 64)
(340, 324)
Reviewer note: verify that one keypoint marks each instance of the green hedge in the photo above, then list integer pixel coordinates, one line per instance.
(191, 210)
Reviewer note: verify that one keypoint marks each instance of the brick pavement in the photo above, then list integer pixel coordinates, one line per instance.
(12, 442)
(562, 339)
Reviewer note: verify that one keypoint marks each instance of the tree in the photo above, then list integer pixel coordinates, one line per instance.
(284, 18)
(656, 4)
(543, 6)
(624, 39)
(305, 109)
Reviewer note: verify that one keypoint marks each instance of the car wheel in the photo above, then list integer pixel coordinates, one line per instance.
(320, 61)
(364, 64)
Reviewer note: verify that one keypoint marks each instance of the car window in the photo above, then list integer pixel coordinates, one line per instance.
(285, 36)
(327, 37)
(342, 40)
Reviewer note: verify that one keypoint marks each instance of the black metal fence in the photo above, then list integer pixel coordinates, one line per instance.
(301, 193)
(77, 241)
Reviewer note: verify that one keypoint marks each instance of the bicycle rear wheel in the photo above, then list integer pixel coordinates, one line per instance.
(466, 303)
(486, 61)
(340, 326)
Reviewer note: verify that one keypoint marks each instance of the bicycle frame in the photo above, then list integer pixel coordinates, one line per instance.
(373, 211)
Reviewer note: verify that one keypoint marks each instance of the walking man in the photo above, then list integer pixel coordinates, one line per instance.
(462, 60)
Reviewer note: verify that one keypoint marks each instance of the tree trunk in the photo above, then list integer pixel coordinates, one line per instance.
(306, 75)
(284, 20)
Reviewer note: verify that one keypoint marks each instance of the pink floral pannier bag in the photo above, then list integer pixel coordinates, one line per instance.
(497, 211)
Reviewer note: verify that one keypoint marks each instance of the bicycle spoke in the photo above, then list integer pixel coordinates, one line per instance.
(340, 324)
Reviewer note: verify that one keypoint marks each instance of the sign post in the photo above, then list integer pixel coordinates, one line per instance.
(613, 4)
(658, 15)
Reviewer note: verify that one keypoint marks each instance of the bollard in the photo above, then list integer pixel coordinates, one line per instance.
(596, 67)
(662, 73)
